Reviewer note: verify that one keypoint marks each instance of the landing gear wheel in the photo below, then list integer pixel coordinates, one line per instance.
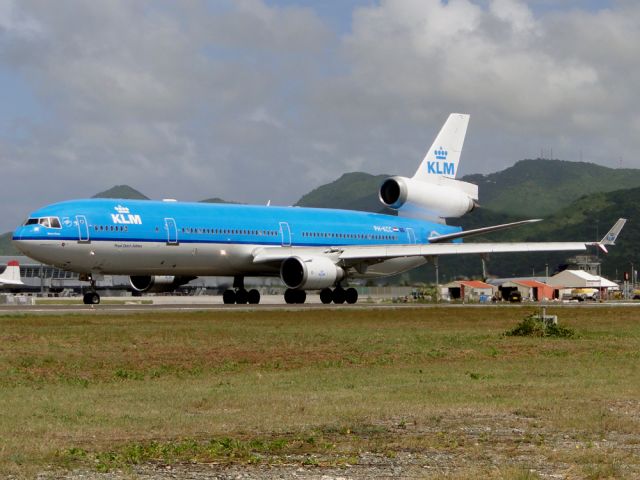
(91, 298)
(229, 297)
(339, 295)
(242, 296)
(253, 296)
(351, 295)
(326, 295)
(292, 296)
(301, 296)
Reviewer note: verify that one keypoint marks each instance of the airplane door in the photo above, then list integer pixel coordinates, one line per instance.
(83, 229)
(285, 234)
(172, 231)
(412, 236)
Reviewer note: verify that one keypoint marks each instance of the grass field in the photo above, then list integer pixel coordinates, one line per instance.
(429, 393)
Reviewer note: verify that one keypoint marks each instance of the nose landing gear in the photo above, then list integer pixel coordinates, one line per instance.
(91, 297)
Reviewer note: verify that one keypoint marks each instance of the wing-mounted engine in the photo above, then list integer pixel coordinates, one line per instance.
(310, 273)
(157, 283)
(435, 199)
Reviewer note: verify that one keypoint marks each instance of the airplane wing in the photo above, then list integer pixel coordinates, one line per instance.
(385, 252)
(349, 254)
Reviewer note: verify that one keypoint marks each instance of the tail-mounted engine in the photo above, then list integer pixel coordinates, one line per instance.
(438, 199)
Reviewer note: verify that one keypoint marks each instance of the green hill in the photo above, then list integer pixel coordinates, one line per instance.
(6, 247)
(534, 188)
(216, 200)
(353, 191)
(122, 191)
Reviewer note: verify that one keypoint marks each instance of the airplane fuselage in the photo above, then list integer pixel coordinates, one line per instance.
(138, 237)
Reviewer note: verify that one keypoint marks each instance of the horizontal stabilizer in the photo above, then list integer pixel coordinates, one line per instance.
(479, 231)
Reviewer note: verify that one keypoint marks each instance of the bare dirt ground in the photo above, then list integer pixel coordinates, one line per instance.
(457, 447)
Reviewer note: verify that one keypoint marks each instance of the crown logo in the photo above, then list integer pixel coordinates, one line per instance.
(121, 209)
(441, 153)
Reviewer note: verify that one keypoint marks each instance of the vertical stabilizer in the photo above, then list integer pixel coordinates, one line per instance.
(11, 275)
(444, 155)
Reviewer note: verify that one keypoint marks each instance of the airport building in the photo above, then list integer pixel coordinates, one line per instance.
(467, 291)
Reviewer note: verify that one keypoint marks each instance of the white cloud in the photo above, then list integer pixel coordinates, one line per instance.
(251, 101)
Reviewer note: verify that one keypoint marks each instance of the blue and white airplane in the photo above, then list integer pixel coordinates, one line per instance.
(164, 244)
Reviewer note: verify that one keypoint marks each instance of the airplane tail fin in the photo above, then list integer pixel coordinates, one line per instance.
(11, 273)
(444, 155)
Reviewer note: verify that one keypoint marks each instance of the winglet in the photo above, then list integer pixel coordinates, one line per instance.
(611, 236)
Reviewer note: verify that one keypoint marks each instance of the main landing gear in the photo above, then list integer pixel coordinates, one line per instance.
(240, 295)
(339, 295)
(292, 296)
(91, 297)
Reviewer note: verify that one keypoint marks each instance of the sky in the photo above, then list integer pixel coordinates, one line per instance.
(258, 100)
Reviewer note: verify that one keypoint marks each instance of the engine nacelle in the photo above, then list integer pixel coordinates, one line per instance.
(156, 283)
(446, 198)
(311, 273)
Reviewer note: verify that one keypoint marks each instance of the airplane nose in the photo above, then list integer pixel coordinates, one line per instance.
(17, 240)
(19, 244)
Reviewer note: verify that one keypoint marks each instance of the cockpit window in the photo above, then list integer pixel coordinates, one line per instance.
(48, 222)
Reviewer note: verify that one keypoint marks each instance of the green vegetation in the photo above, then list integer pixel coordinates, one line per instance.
(122, 191)
(6, 247)
(216, 200)
(322, 388)
(535, 188)
(533, 326)
(352, 191)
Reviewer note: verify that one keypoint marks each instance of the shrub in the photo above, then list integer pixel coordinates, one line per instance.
(534, 326)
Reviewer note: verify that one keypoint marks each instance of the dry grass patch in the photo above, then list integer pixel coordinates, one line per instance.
(439, 387)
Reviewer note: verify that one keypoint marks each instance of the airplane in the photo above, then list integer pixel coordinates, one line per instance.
(11, 275)
(164, 244)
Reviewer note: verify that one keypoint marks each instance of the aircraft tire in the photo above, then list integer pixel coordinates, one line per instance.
(229, 297)
(91, 298)
(339, 295)
(290, 296)
(351, 295)
(326, 295)
(253, 296)
(301, 296)
(242, 296)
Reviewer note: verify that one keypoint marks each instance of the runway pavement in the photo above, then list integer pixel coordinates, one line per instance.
(269, 302)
